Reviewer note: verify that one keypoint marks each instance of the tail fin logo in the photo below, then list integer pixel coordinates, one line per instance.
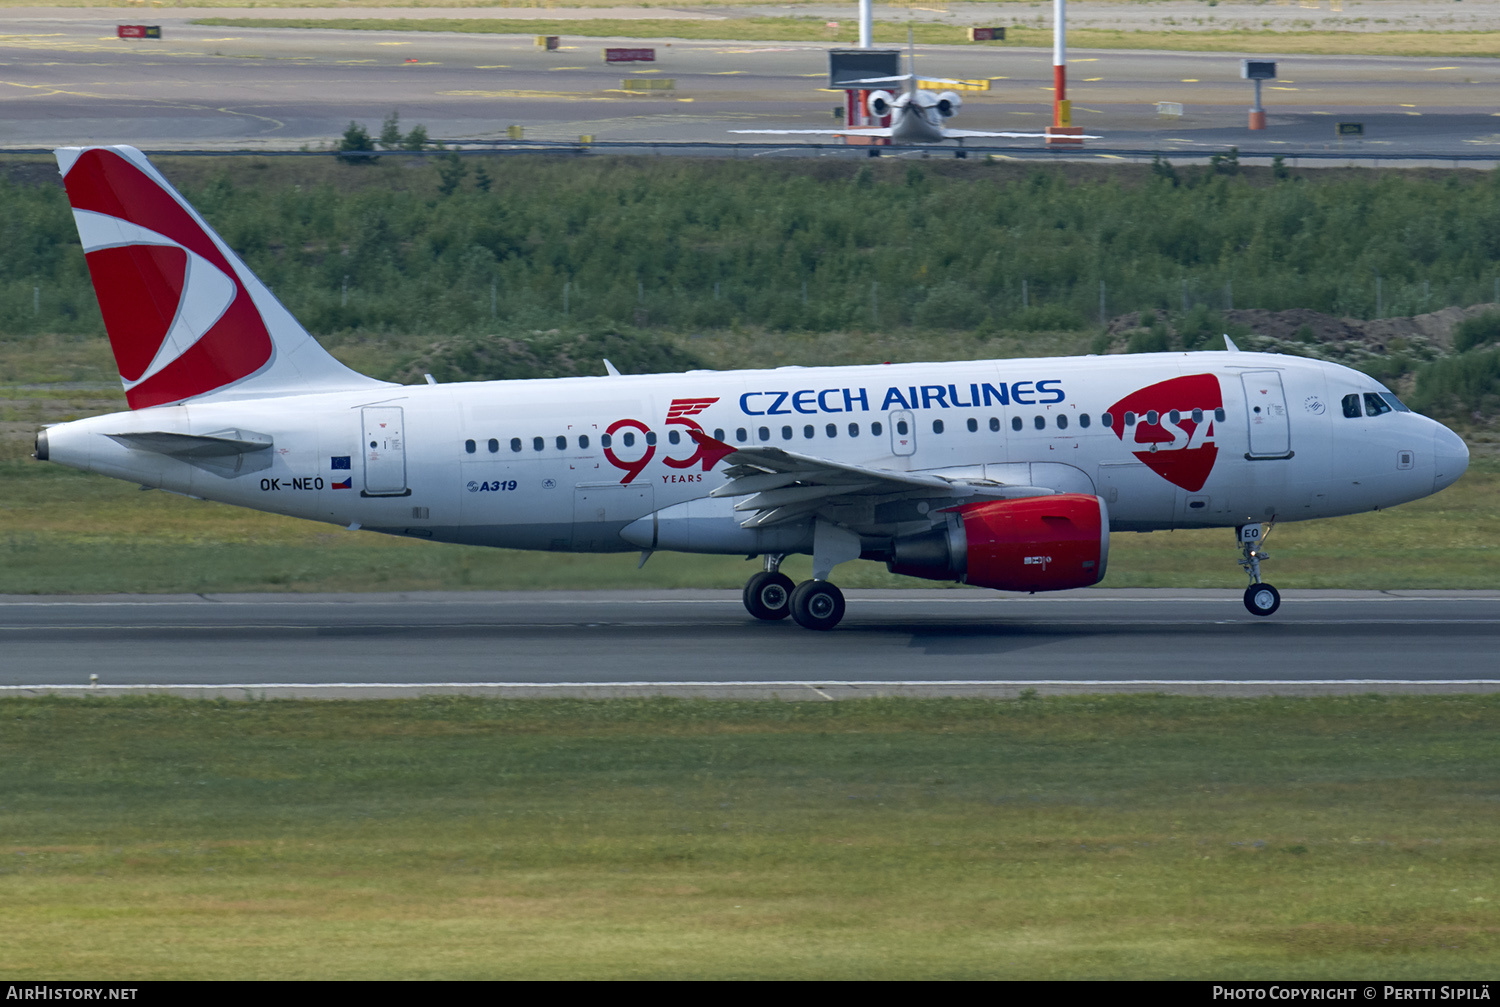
(179, 319)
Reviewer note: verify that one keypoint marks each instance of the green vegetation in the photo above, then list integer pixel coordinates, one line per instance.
(1104, 837)
(805, 29)
(684, 245)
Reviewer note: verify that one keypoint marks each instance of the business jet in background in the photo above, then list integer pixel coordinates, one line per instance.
(917, 115)
(1005, 474)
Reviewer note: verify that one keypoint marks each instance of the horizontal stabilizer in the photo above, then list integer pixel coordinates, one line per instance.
(221, 444)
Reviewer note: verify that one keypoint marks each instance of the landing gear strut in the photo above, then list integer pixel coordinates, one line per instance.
(768, 594)
(1260, 598)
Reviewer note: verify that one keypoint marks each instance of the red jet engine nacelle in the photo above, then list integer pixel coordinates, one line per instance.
(1049, 543)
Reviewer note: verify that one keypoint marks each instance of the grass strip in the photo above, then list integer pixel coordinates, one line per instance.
(788, 29)
(1094, 837)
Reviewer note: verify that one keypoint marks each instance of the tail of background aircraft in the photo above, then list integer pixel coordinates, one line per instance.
(185, 316)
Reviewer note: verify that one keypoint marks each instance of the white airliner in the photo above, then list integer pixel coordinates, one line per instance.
(1006, 474)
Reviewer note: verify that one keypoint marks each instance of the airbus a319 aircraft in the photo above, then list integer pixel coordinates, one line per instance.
(1005, 474)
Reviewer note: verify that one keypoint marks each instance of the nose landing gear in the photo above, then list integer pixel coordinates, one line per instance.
(1260, 598)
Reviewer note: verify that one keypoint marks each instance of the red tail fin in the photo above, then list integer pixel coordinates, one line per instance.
(185, 315)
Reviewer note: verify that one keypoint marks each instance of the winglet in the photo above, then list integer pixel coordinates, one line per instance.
(1229, 344)
(610, 369)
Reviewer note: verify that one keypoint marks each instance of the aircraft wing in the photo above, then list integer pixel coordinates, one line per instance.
(780, 485)
(818, 132)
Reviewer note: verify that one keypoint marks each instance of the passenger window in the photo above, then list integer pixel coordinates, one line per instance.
(1040, 422)
(1108, 419)
(629, 440)
(875, 429)
(973, 425)
(537, 443)
(583, 440)
(562, 443)
(1015, 423)
(1083, 420)
(1197, 415)
(786, 433)
(1396, 403)
(808, 431)
(494, 445)
(651, 437)
(1351, 406)
(674, 437)
(1174, 416)
(741, 435)
(937, 426)
(833, 430)
(1375, 405)
(901, 426)
(1152, 416)
(765, 433)
(854, 430)
(1130, 419)
(515, 443)
(994, 424)
(605, 440)
(1062, 421)
(718, 433)
(469, 446)
(1219, 415)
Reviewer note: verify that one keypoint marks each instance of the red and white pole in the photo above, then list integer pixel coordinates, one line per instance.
(1062, 130)
(1061, 114)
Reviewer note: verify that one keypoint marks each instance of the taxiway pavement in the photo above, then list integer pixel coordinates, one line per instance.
(703, 643)
(65, 79)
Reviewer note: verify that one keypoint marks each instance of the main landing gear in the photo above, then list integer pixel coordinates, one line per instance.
(1260, 598)
(813, 604)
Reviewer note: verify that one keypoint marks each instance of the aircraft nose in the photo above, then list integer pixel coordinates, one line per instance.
(1450, 457)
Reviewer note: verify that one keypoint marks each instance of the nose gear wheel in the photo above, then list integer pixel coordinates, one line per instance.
(1260, 598)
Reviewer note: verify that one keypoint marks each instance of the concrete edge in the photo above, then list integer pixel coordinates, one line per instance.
(775, 691)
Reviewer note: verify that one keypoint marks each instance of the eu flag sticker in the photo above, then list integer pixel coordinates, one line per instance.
(340, 462)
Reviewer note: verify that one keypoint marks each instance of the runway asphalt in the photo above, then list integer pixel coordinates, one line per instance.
(65, 80)
(924, 642)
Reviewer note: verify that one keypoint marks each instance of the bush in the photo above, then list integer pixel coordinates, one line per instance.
(1464, 386)
(1045, 318)
(1476, 331)
(355, 140)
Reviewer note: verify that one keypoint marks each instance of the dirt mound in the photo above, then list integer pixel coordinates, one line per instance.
(1323, 335)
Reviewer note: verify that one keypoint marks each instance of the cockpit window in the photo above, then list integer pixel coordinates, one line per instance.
(1375, 405)
(1396, 403)
(1351, 406)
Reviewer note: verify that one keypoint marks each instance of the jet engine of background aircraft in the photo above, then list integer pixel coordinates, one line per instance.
(1037, 544)
(948, 103)
(879, 103)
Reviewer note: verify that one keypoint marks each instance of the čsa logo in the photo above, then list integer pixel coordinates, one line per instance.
(1173, 432)
(179, 319)
(679, 414)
